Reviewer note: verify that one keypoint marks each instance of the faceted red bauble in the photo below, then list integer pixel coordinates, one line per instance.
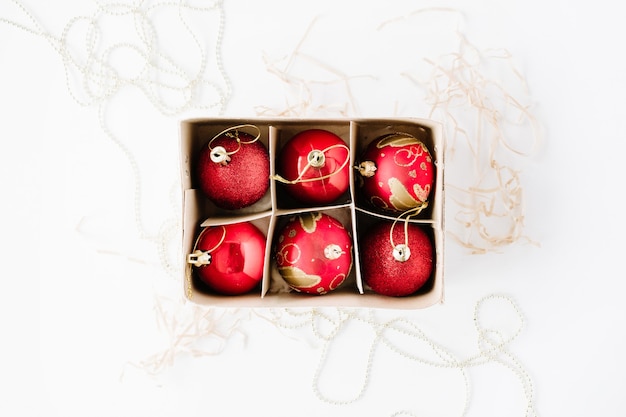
(397, 270)
(229, 259)
(397, 172)
(234, 170)
(314, 165)
(313, 253)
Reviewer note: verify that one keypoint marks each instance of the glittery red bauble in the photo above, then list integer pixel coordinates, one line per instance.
(392, 270)
(230, 258)
(313, 253)
(315, 162)
(397, 172)
(240, 182)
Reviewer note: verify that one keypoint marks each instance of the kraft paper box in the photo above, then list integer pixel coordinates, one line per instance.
(275, 207)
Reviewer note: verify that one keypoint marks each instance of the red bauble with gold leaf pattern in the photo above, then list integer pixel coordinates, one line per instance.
(313, 253)
(229, 258)
(397, 172)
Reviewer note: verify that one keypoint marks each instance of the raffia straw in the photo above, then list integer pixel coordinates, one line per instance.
(305, 86)
(191, 330)
(491, 209)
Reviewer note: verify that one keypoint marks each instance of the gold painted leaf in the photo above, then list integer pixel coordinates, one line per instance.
(397, 140)
(298, 278)
(308, 221)
(400, 197)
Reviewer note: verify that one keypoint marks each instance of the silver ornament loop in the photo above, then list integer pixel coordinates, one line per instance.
(401, 253)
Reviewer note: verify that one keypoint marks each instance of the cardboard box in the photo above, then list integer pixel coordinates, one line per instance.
(275, 207)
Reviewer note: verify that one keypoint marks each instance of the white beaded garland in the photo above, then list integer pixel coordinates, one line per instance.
(92, 80)
(492, 346)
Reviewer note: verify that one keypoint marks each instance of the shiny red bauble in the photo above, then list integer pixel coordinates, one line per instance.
(314, 166)
(397, 173)
(233, 170)
(399, 268)
(313, 253)
(229, 258)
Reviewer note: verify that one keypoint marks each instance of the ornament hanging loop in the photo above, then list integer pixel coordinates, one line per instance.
(401, 251)
(203, 257)
(316, 159)
(219, 154)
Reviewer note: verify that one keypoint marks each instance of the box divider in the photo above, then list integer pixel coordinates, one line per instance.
(273, 139)
(188, 237)
(267, 272)
(353, 157)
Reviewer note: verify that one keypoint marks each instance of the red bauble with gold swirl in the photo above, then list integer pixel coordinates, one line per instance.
(397, 172)
(313, 253)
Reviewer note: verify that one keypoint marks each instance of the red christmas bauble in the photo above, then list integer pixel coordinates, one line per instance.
(234, 170)
(229, 258)
(313, 253)
(397, 173)
(395, 269)
(314, 165)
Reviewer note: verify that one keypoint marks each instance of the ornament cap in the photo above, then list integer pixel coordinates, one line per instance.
(367, 168)
(333, 251)
(219, 155)
(401, 252)
(316, 158)
(199, 258)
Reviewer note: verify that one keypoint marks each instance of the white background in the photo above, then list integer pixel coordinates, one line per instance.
(79, 281)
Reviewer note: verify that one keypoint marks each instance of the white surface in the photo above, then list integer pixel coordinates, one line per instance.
(78, 283)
